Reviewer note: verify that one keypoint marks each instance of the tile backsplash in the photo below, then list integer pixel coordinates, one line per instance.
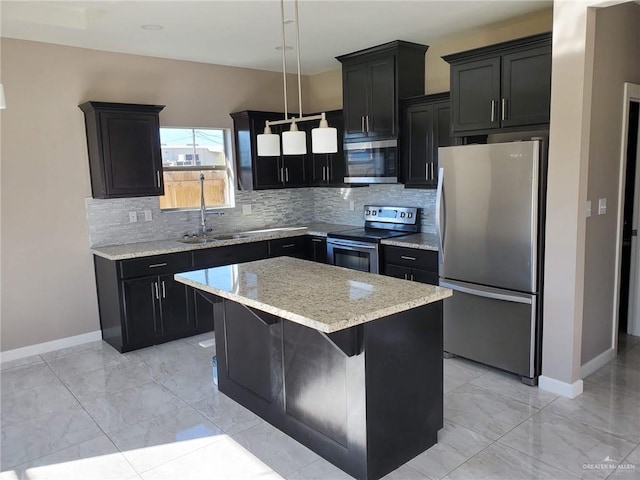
(108, 220)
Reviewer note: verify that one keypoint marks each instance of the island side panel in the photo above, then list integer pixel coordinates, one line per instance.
(404, 386)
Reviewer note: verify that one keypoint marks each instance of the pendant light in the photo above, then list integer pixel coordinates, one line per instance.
(324, 139)
(3, 103)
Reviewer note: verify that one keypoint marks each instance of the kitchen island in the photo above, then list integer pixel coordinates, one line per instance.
(347, 363)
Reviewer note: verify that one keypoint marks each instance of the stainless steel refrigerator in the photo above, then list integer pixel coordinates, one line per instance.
(489, 215)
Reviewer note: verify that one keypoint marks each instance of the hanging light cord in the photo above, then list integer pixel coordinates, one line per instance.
(284, 62)
(298, 51)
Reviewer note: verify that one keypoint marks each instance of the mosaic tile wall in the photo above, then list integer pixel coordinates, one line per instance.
(108, 220)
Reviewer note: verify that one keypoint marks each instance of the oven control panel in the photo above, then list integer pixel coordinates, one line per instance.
(401, 215)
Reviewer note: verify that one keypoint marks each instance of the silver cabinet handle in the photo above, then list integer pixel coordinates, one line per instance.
(158, 178)
(156, 265)
(493, 110)
(362, 123)
(282, 174)
(406, 257)
(328, 173)
(286, 171)
(504, 109)
(412, 277)
(164, 292)
(155, 284)
(426, 173)
(316, 240)
(433, 177)
(405, 276)
(323, 174)
(367, 123)
(289, 245)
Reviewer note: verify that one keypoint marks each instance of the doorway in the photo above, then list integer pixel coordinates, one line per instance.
(628, 313)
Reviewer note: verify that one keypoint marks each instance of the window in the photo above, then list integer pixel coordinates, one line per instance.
(187, 152)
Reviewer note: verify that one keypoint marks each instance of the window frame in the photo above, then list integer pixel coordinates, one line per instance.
(228, 168)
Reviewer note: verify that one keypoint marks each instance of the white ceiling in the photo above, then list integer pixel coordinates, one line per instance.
(244, 33)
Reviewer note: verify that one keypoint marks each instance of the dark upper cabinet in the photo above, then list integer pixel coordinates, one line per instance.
(505, 86)
(123, 141)
(425, 128)
(327, 169)
(373, 81)
(258, 172)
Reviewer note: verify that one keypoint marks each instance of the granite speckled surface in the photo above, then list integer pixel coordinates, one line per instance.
(423, 241)
(323, 297)
(160, 247)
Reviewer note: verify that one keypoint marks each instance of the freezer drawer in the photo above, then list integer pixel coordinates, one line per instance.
(491, 326)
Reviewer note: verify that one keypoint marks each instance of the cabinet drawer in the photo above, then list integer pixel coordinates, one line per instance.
(227, 255)
(412, 257)
(292, 246)
(155, 265)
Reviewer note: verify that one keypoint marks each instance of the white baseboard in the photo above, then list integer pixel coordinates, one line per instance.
(597, 363)
(569, 390)
(50, 346)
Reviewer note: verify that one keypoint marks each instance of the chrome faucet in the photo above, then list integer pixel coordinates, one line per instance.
(203, 223)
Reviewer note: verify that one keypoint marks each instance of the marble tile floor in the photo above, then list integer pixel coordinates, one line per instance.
(88, 412)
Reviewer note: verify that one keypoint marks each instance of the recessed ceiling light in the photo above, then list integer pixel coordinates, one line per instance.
(152, 27)
(286, 47)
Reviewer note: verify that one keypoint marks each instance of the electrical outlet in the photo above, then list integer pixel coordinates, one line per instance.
(602, 206)
(133, 217)
(147, 216)
(246, 209)
(352, 205)
(588, 208)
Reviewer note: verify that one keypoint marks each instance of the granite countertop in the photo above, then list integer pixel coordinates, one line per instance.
(422, 241)
(323, 297)
(160, 247)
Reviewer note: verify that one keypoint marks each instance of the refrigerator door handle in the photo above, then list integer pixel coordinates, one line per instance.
(485, 292)
(440, 212)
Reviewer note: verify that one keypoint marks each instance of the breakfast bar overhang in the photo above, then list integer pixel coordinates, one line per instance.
(348, 363)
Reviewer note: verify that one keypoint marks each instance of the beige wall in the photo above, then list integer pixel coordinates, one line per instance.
(48, 288)
(325, 89)
(616, 60)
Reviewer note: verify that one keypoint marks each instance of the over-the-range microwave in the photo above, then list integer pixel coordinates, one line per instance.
(372, 162)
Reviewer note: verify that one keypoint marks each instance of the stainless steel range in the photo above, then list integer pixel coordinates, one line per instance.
(359, 248)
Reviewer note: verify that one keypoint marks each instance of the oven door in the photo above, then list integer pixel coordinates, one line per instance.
(361, 256)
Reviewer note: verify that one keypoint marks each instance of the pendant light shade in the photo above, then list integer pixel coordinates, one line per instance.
(294, 142)
(268, 143)
(3, 104)
(324, 139)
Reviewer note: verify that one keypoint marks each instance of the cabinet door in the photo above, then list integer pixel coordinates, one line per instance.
(268, 172)
(397, 271)
(424, 276)
(475, 95)
(336, 167)
(318, 163)
(142, 312)
(418, 145)
(441, 135)
(132, 160)
(316, 249)
(177, 310)
(204, 310)
(295, 170)
(355, 94)
(526, 87)
(381, 111)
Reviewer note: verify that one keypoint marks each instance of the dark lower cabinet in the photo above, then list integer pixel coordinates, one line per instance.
(290, 247)
(316, 249)
(140, 303)
(411, 264)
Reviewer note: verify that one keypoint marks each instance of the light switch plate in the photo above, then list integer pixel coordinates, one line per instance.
(133, 217)
(148, 216)
(352, 205)
(588, 208)
(246, 209)
(602, 206)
